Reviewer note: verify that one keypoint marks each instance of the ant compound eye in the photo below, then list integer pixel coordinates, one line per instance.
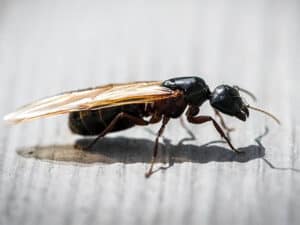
(227, 100)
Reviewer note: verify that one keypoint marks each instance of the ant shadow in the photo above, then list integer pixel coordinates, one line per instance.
(132, 150)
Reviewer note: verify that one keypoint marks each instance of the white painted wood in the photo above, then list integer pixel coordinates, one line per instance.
(51, 46)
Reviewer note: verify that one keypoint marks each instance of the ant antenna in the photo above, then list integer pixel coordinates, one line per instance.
(250, 94)
(264, 112)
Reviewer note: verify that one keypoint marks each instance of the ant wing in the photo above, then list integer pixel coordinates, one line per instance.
(92, 99)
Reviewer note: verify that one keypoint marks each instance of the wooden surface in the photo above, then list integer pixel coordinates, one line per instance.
(51, 46)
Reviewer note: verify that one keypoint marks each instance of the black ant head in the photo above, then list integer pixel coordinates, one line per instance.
(227, 100)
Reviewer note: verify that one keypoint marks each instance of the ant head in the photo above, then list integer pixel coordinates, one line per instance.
(227, 100)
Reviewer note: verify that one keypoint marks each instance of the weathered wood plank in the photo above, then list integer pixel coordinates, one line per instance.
(52, 46)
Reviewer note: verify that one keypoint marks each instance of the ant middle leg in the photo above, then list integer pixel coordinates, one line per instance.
(190, 133)
(155, 149)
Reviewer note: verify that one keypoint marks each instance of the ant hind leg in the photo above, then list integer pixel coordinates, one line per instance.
(112, 124)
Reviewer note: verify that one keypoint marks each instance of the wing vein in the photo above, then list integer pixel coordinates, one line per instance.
(92, 99)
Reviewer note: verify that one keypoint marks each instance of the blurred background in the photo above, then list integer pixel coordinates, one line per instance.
(47, 47)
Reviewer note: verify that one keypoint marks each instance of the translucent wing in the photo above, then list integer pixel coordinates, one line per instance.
(92, 99)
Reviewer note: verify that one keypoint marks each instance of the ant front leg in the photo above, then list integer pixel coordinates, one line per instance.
(223, 124)
(204, 119)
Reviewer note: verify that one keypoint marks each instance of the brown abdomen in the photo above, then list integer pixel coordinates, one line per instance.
(93, 122)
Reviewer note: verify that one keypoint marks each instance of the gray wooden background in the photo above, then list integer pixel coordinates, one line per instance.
(51, 46)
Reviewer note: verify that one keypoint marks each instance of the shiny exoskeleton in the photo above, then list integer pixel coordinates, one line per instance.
(192, 92)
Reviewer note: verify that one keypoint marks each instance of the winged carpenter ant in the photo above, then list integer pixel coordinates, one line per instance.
(115, 107)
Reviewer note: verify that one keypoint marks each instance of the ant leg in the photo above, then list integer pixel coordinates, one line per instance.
(155, 149)
(223, 124)
(190, 133)
(204, 119)
(109, 128)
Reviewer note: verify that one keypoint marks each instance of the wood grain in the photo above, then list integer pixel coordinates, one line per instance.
(47, 47)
